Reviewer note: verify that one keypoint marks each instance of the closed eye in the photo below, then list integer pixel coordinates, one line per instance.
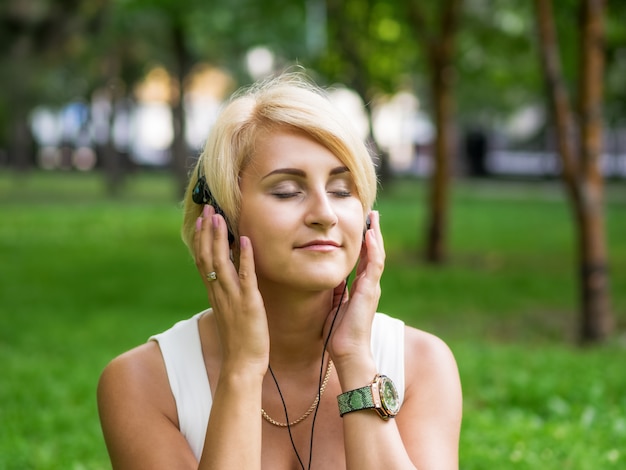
(341, 194)
(286, 195)
(341, 186)
(286, 189)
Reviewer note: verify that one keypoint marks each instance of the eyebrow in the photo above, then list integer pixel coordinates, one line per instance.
(297, 172)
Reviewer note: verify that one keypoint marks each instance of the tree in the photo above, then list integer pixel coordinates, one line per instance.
(38, 44)
(116, 54)
(183, 34)
(368, 53)
(579, 139)
(438, 46)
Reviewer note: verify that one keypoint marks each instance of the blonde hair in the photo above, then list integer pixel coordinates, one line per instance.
(289, 101)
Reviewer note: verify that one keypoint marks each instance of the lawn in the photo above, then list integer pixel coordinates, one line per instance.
(83, 278)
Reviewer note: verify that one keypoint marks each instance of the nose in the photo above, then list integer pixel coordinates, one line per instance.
(320, 211)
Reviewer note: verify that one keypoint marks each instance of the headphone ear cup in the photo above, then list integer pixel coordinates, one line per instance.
(201, 195)
(218, 210)
(368, 224)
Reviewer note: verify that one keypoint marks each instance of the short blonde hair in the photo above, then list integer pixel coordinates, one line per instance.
(289, 101)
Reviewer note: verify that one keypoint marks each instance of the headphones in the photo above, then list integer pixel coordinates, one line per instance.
(201, 195)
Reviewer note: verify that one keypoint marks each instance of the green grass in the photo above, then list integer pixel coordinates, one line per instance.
(83, 278)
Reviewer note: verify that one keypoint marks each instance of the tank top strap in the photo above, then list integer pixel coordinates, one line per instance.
(388, 349)
(182, 354)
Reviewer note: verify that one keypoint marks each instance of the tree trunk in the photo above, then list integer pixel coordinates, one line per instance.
(21, 141)
(437, 224)
(111, 159)
(580, 153)
(111, 164)
(180, 163)
(597, 320)
(439, 49)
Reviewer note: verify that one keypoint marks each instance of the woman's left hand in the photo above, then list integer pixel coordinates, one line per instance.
(351, 335)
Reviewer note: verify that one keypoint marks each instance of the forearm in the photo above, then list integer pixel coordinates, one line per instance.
(370, 441)
(233, 437)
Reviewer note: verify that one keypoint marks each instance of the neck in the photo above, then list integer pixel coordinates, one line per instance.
(296, 323)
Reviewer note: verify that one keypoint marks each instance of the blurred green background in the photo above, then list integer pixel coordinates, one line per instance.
(84, 278)
(104, 107)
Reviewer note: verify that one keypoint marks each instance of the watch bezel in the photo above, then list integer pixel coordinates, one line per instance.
(379, 386)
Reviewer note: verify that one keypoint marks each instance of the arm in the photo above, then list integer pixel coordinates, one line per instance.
(233, 438)
(424, 435)
(140, 421)
(137, 411)
(370, 442)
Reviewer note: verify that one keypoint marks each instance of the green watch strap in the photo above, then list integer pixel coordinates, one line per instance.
(355, 400)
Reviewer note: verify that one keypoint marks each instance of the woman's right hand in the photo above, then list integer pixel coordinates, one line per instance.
(234, 295)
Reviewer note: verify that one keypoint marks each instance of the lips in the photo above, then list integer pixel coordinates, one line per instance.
(320, 244)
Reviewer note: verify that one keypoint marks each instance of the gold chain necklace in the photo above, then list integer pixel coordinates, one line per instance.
(271, 420)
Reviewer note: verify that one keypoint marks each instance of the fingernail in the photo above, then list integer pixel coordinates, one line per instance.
(243, 242)
(198, 223)
(215, 221)
(205, 211)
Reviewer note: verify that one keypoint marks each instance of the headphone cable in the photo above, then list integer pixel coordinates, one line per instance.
(319, 387)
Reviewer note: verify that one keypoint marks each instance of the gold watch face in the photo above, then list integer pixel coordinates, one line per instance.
(389, 396)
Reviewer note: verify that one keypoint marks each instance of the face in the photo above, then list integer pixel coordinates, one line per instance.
(301, 212)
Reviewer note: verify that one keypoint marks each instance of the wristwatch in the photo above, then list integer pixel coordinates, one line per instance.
(380, 395)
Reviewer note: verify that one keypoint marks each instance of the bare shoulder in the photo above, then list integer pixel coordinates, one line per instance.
(430, 366)
(135, 380)
(137, 409)
(134, 369)
(427, 354)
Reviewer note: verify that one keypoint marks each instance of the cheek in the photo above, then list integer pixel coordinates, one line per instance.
(354, 237)
(267, 230)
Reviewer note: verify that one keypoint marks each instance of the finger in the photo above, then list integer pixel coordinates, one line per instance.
(371, 261)
(340, 294)
(375, 245)
(202, 242)
(247, 272)
(375, 229)
(196, 240)
(220, 253)
(339, 290)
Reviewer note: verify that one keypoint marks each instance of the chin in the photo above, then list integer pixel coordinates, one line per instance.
(322, 282)
(309, 281)
(318, 275)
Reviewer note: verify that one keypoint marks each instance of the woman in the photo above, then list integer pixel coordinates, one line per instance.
(284, 371)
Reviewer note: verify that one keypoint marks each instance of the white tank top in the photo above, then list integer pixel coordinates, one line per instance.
(184, 363)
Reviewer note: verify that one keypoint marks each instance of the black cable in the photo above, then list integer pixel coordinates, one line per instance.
(319, 387)
(293, 444)
(326, 341)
